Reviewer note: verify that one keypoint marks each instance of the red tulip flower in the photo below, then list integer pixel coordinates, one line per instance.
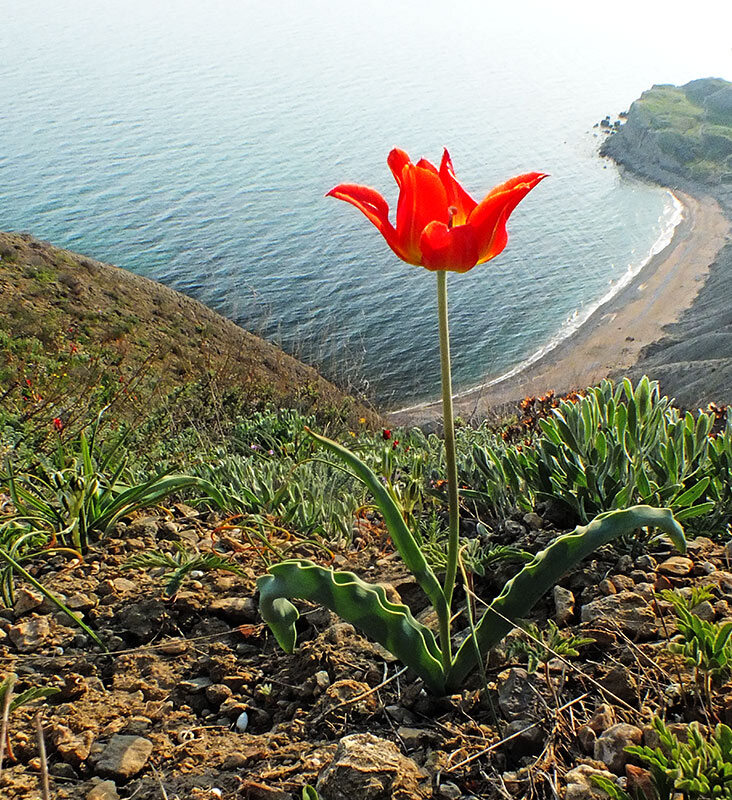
(438, 224)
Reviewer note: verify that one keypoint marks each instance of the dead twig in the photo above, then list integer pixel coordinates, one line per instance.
(358, 698)
(10, 682)
(503, 741)
(45, 788)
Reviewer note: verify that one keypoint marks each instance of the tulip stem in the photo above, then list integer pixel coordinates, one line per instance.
(448, 425)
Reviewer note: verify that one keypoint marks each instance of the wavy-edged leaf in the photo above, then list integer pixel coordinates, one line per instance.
(521, 593)
(364, 605)
(402, 537)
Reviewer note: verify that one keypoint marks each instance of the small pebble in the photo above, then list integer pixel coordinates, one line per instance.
(242, 721)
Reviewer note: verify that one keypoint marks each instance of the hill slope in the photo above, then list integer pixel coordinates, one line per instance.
(77, 335)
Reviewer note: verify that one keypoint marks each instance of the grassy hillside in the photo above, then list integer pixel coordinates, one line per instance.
(687, 128)
(77, 336)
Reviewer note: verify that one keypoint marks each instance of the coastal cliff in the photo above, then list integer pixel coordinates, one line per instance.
(681, 137)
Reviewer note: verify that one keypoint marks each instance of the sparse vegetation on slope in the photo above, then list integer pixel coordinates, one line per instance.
(77, 336)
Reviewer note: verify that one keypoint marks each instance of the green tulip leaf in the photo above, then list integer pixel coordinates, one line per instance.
(364, 605)
(400, 534)
(521, 593)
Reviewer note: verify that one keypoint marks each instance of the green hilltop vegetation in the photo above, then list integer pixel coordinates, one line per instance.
(686, 129)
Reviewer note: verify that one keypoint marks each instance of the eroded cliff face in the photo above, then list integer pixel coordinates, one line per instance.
(681, 137)
(678, 134)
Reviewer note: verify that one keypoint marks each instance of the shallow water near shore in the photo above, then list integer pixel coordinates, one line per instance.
(194, 144)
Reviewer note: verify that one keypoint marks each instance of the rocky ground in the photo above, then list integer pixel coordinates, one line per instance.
(196, 700)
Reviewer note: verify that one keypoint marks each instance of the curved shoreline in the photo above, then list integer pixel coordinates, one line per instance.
(611, 339)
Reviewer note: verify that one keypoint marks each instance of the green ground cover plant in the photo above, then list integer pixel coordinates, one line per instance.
(616, 446)
(699, 768)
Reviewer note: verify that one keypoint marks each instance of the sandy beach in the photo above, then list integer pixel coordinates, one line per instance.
(611, 339)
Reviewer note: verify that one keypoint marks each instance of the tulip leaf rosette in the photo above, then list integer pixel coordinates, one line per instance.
(438, 226)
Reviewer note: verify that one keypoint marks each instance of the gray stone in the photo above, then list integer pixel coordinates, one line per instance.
(704, 610)
(517, 698)
(622, 582)
(217, 693)
(514, 528)
(629, 610)
(339, 633)
(81, 602)
(371, 768)
(528, 738)
(195, 685)
(235, 609)
(607, 587)
(602, 719)
(124, 757)
(620, 682)
(449, 790)
(580, 785)
(145, 526)
(534, 521)
(322, 679)
(31, 635)
(678, 566)
(26, 600)
(646, 590)
(587, 738)
(563, 605)
(104, 790)
(646, 562)
(122, 585)
(610, 747)
(73, 749)
(63, 770)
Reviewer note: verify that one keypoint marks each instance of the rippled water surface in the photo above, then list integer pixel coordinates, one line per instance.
(193, 143)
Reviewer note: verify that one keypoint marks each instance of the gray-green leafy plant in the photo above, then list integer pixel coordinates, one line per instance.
(180, 564)
(311, 497)
(88, 496)
(614, 447)
(699, 768)
(391, 624)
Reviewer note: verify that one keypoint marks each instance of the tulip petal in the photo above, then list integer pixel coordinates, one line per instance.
(373, 206)
(444, 248)
(423, 163)
(457, 197)
(397, 160)
(488, 219)
(422, 200)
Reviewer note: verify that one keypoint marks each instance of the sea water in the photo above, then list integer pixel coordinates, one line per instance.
(193, 142)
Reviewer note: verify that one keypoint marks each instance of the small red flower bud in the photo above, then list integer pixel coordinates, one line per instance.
(386, 433)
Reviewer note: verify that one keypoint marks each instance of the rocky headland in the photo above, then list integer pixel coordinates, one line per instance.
(681, 137)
